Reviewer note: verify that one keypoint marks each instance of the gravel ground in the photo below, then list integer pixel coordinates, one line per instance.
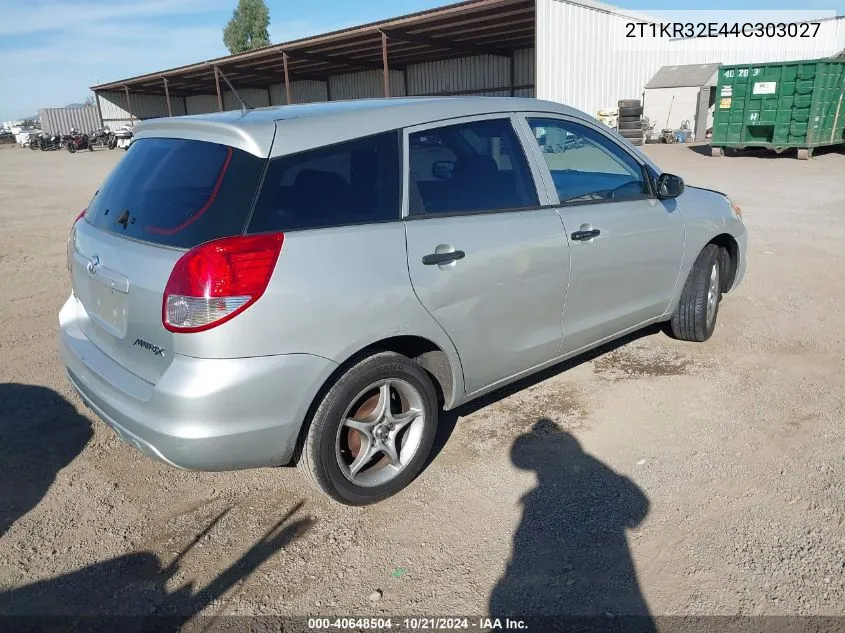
(653, 477)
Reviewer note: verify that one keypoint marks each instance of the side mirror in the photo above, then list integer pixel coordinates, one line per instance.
(442, 169)
(669, 186)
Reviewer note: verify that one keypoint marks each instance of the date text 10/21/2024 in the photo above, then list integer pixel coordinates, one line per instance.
(418, 624)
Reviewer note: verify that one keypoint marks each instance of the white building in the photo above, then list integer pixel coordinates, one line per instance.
(572, 51)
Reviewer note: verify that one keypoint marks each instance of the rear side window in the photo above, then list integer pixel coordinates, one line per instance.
(355, 182)
(469, 167)
(177, 192)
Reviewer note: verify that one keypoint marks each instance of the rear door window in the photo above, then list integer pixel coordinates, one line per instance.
(355, 182)
(177, 192)
(467, 168)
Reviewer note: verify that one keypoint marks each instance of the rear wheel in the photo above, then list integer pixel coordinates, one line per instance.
(373, 430)
(71, 147)
(694, 318)
(628, 103)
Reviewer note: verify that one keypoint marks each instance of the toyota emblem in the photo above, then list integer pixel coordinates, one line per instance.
(93, 265)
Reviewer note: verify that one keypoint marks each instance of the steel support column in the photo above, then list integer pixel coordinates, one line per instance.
(287, 78)
(219, 94)
(385, 67)
(167, 96)
(129, 105)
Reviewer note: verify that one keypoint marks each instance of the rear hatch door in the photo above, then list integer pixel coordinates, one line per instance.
(166, 196)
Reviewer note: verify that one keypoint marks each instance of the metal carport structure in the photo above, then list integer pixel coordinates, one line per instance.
(385, 58)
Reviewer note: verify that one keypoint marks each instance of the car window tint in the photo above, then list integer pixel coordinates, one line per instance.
(355, 182)
(469, 167)
(177, 192)
(585, 164)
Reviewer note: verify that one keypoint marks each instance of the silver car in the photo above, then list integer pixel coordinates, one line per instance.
(312, 284)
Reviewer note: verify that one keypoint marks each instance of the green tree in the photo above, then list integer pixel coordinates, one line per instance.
(248, 27)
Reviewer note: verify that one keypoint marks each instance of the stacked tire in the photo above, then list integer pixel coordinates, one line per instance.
(630, 120)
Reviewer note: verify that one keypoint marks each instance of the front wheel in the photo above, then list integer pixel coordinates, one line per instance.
(694, 318)
(71, 148)
(373, 430)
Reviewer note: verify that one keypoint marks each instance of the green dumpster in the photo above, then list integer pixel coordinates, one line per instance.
(779, 106)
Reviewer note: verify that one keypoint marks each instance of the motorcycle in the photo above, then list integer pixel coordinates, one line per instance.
(49, 143)
(102, 138)
(78, 141)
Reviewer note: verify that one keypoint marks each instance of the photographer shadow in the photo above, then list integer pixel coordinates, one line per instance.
(570, 561)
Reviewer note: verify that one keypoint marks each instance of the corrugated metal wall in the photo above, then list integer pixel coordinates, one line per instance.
(61, 120)
(256, 97)
(115, 110)
(584, 59)
(487, 75)
(306, 91)
(365, 85)
(201, 104)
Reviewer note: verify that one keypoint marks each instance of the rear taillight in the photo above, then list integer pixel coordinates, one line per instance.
(71, 240)
(215, 281)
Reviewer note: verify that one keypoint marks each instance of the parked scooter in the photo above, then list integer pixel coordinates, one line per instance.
(78, 141)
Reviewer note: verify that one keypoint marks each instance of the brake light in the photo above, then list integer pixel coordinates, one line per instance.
(71, 240)
(213, 282)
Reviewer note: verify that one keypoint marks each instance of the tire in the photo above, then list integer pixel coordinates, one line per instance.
(629, 134)
(631, 119)
(71, 148)
(331, 448)
(33, 146)
(694, 318)
(636, 141)
(628, 103)
(631, 125)
(112, 143)
(90, 148)
(630, 111)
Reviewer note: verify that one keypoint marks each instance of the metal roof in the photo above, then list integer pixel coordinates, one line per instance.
(691, 75)
(495, 27)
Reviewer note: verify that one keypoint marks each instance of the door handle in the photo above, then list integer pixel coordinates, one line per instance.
(442, 258)
(581, 236)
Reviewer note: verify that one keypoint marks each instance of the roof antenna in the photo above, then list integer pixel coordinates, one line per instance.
(244, 105)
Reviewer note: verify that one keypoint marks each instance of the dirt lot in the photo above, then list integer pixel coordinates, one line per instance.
(655, 477)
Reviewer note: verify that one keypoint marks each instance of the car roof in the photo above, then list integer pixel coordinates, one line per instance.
(310, 125)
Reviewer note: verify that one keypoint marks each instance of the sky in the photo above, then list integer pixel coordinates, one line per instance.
(52, 51)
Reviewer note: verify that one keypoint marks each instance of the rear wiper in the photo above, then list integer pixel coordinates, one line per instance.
(123, 219)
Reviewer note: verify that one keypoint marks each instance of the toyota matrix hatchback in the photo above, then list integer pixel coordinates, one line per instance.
(313, 283)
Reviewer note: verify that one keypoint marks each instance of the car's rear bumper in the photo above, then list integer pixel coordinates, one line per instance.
(202, 414)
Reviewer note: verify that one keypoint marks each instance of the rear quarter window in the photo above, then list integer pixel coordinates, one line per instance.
(355, 182)
(177, 192)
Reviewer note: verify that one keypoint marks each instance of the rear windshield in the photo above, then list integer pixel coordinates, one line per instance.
(177, 192)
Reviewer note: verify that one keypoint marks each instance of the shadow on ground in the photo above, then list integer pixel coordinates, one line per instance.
(131, 592)
(449, 419)
(759, 152)
(40, 434)
(570, 556)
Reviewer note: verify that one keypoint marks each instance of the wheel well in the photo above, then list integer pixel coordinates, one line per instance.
(428, 355)
(730, 263)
